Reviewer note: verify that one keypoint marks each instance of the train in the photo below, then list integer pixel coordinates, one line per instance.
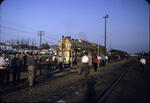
(118, 53)
(72, 49)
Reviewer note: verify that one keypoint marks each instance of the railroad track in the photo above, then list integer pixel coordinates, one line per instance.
(42, 79)
(48, 76)
(110, 88)
(100, 98)
(67, 92)
(63, 90)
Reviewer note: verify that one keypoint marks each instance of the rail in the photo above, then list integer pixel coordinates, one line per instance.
(100, 99)
(110, 88)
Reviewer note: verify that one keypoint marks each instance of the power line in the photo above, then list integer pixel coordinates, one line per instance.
(16, 25)
(19, 30)
(20, 25)
(50, 41)
(11, 28)
(53, 35)
(32, 33)
(52, 38)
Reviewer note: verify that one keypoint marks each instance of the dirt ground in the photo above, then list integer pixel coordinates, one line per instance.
(133, 88)
(51, 86)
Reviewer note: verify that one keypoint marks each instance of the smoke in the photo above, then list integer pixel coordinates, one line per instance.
(82, 35)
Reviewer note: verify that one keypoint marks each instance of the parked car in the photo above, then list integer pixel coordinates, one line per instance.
(11, 51)
(28, 51)
(44, 52)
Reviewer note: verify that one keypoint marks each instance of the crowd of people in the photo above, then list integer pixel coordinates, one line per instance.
(95, 61)
(30, 62)
(14, 64)
(90, 61)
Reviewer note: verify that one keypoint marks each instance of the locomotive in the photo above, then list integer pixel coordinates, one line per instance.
(72, 49)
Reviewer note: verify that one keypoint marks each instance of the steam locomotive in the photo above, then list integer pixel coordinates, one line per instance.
(72, 49)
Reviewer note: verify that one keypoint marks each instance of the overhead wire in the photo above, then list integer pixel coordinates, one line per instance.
(29, 33)
(20, 25)
(47, 35)
(11, 28)
(16, 25)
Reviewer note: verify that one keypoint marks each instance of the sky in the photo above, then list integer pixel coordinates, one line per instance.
(127, 25)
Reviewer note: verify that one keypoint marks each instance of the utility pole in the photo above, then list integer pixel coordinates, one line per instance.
(33, 47)
(110, 46)
(41, 33)
(63, 50)
(105, 33)
(149, 28)
(149, 32)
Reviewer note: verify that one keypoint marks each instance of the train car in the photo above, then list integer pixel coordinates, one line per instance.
(118, 53)
(72, 49)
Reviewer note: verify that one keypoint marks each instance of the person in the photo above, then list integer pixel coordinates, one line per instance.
(60, 61)
(3, 66)
(54, 61)
(127, 57)
(24, 61)
(138, 57)
(7, 70)
(48, 58)
(99, 60)
(39, 63)
(75, 61)
(95, 62)
(118, 57)
(103, 61)
(35, 57)
(90, 60)
(143, 62)
(16, 65)
(20, 67)
(84, 67)
(31, 69)
(106, 59)
(148, 60)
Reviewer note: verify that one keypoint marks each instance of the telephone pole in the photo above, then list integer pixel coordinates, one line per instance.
(41, 33)
(149, 28)
(105, 32)
(63, 51)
